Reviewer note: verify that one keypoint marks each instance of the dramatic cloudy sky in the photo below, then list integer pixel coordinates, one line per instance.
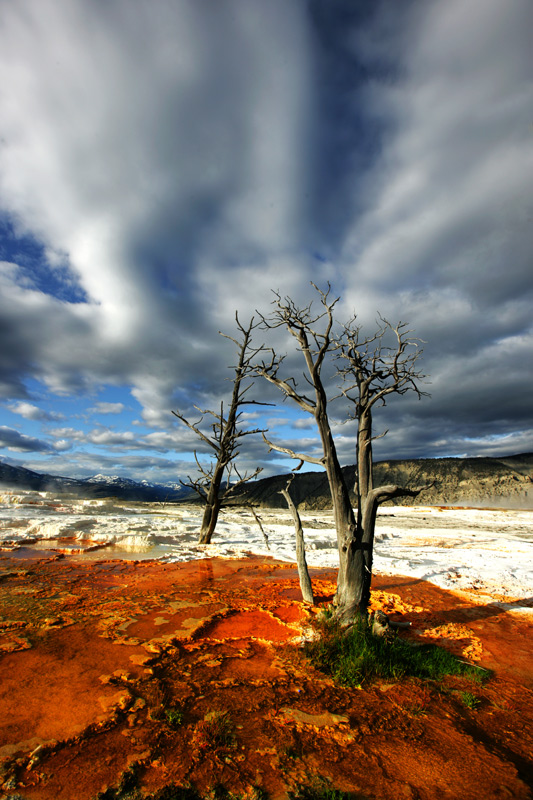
(164, 163)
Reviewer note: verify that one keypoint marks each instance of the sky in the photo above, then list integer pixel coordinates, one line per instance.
(166, 163)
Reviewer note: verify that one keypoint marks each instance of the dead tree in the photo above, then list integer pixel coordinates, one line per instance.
(306, 586)
(370, 370)
(259, 525)
(223, 436)
(315, 345)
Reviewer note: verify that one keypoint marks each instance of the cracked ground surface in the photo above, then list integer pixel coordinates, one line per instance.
(95, 658)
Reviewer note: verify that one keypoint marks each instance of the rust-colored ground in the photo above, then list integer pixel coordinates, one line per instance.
(93, 655)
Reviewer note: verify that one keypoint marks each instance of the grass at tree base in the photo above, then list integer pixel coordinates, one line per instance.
(356, 656)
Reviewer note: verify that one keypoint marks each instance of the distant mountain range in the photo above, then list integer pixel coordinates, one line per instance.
(97, 486)
(505, 481)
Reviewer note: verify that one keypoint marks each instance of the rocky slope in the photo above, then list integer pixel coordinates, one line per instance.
(455, 481)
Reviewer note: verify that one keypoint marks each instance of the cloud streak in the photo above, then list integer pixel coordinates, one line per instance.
(163, 166)
(32, 412)
(18, 442)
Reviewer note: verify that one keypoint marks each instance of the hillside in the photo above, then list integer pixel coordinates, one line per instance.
(503, 481)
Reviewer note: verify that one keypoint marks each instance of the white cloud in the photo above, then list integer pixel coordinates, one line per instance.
(164, 157)
(62, 445)
(303, 424)
(450, 196)
(107, 408)
(19, 442)
(108, 438)
(180, 163)
(30, 411)
(72, 434)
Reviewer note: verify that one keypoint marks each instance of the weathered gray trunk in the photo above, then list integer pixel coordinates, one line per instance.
(209, 522)
(364, 480)
(303, 571)
(355, 595)
(212, 507)
(353, 584)
(343, 514)
(356, 533)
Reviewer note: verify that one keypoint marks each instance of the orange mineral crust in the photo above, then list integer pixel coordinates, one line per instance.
(124, 679)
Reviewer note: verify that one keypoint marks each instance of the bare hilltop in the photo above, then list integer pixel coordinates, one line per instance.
(503, 482)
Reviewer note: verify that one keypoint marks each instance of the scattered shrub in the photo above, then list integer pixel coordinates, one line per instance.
(416, 710)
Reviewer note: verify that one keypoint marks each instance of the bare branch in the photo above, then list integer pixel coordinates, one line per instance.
(285, 386)
(292, 454)
(198, 484)
(259, 524)
(383, 493)
(194, 427)
(377, 369)
(230, 490)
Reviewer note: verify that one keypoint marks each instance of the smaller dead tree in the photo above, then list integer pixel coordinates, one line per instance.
(223, 437)
(260, 525)
(303, 571)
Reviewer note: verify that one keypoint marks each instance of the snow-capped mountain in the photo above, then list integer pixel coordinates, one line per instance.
(125, 483)
(115, 480)
(96, 486)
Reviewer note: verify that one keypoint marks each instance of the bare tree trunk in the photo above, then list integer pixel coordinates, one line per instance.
(353, 583)
(212, 507)
(343, 514)
(364, 481)
(355, 570)
(303, 571)
(355, 595)
(209, 523)
(355, 575)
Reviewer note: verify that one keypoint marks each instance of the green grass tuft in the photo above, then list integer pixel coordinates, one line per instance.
(470, 700)
(319, 789)
(216, 731)
(356, 656)
(175, 717)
